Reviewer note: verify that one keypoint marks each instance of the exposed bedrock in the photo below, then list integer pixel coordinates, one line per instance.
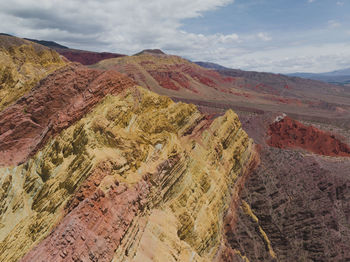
(57, 102)
(139, 178)
(294, 207)
(289, 133)
(22, 65)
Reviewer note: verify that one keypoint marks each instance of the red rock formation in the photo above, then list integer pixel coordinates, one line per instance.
(86, 57)
(289, 133)
(165, 79)
(97, 222)
(296, 206)
(93, 230)
(57, 102)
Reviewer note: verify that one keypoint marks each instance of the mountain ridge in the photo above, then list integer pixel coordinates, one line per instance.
(142, 158)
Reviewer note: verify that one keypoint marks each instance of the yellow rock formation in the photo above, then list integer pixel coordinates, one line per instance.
(22, 66)
(135, 133)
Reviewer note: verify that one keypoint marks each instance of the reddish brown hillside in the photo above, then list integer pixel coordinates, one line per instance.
(86, 57)
(58, 101)
(294, 206)
(289, 133)
(180, 79)
(76, 55)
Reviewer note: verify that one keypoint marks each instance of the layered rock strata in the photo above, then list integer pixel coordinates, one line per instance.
(22, 65)
(294, 206)
(289, 133)
(61, 99)
(139, 178)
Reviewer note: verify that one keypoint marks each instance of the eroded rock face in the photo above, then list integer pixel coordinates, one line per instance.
(60, 100)
(22, 65)
(294, 206)
(289, 133)
(139, 178)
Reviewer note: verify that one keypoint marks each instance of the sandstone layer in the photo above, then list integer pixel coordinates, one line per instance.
(22, 65)
(57, 102)
(94, 168)
(139, 178)
(289, 133)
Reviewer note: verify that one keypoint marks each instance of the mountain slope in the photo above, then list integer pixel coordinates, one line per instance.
(215, 90)
(61, 99)
(340, 77)
(259, 212)
(76, 55)
(94, 168)
(22, 65)
(137, 160)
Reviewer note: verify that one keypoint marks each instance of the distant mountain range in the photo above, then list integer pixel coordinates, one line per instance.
(210, 65)
(82, 56)
(340, 77)
(50, 44)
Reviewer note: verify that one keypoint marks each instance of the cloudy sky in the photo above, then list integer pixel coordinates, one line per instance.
(263, 35)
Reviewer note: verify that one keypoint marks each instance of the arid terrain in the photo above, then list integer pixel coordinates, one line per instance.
(150, 157)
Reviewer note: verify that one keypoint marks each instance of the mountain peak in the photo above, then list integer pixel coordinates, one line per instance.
(151, 51)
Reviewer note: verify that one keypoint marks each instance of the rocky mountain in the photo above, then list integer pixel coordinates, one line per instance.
(76, 55)
(95, 168)
(339, 77)
(22, 65)
(50, 44)
(219, 90)
(211, 65)
(98, 164)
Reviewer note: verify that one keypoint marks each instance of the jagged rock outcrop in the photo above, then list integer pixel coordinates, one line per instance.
(294, 206)
(139, 178)
(22, 65)
(289, 133)
(61, 99)
(94, 168)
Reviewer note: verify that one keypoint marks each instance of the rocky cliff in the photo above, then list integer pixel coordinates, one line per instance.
(139, 178)
(289, 133)
(22, 65)
(95, 168)
(61, 99)
(295, 205)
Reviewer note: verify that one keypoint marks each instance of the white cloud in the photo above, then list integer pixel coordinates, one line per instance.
(128, 26)
(309, 58)
(124, 26)
(311, 1)
(228, 38)
(340, 3)
(264, 36)
(333, 24)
